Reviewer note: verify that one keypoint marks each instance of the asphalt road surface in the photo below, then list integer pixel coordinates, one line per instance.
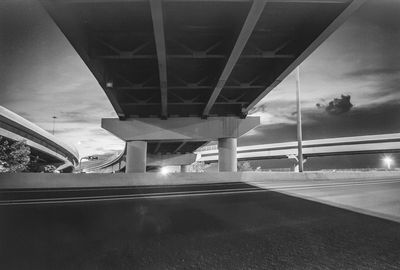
(377, 197)
(221, 226)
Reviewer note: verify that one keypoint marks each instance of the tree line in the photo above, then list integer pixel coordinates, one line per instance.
(16, 156)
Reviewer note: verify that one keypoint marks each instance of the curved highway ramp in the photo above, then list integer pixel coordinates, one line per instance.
(46, 146)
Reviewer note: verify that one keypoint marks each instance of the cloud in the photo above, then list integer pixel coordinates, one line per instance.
(69, 130)
(275, 111)
(377, 118)
(337, 105)
(377, 71)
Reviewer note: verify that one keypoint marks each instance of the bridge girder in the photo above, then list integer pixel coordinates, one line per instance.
(223, 56)
(194, 58)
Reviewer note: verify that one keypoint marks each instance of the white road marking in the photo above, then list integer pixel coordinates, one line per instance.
(259, 186)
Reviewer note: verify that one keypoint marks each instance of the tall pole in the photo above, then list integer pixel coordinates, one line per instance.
(299, 130)
(80, 164)
(54, 122)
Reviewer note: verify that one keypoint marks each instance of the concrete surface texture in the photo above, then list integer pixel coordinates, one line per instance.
(227, 160)
(188, 128)
(378, 197)
(32, 180)
(250, 228)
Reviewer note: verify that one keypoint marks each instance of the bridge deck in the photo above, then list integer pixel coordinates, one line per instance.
(181, 58)
(194, 58)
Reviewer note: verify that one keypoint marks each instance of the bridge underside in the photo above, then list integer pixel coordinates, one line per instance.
(194, 58)
(177, 58)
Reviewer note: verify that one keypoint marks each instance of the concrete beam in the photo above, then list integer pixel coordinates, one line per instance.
(254, 14)
(179, 129)
(171, 159)
(227, 154)
(21, 181)
(136, 152)
(200, 1)
(159, 37)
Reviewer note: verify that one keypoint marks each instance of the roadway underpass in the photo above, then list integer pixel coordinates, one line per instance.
(182, 73)
(256, 224)
(252, 224)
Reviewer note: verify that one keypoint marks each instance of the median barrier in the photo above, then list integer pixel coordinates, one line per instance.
(41, 180)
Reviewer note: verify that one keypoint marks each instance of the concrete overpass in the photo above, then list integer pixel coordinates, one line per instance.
(47, 147)
(181, 73)
(385, 143)
(369, 144)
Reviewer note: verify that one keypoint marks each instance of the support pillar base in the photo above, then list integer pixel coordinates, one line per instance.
(227, 154)
(136, 152)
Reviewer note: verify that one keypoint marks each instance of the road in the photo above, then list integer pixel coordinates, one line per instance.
(216, 226)
(378, 197)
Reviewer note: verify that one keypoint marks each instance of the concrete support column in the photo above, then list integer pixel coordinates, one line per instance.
(136, 156)
(227, 154)
(184, 168)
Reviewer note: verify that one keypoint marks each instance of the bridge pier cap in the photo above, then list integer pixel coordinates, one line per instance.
(177, 129)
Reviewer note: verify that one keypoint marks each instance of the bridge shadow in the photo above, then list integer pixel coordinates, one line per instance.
(256, 230)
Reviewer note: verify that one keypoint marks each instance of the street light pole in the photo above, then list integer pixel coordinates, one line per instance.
(54, 122)
(299, 129)
(80, 164)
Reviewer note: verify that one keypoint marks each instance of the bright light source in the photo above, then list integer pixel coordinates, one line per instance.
(109, 84)
(164, 171)
(388, 161)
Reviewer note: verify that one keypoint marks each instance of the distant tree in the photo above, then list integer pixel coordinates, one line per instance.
(49, 168)
(14, 156)
(34, 165)
(244, 166)
(198, 166)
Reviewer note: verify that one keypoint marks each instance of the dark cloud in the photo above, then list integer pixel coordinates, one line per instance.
(380, 71)
(385, 80)
(90, 113)
(59, 131)
(365, 120)
(372, 119)
(75, 117)
(337, 105)
(380, 13)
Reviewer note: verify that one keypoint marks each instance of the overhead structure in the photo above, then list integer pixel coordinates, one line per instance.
(44, 146)
(357, 145)
(194, 58)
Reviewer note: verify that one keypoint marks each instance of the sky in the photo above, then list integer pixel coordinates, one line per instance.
(42, 76)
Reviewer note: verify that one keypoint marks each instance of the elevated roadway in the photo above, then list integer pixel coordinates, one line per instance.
(47, 147)
(181, 73)
(369, 144)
